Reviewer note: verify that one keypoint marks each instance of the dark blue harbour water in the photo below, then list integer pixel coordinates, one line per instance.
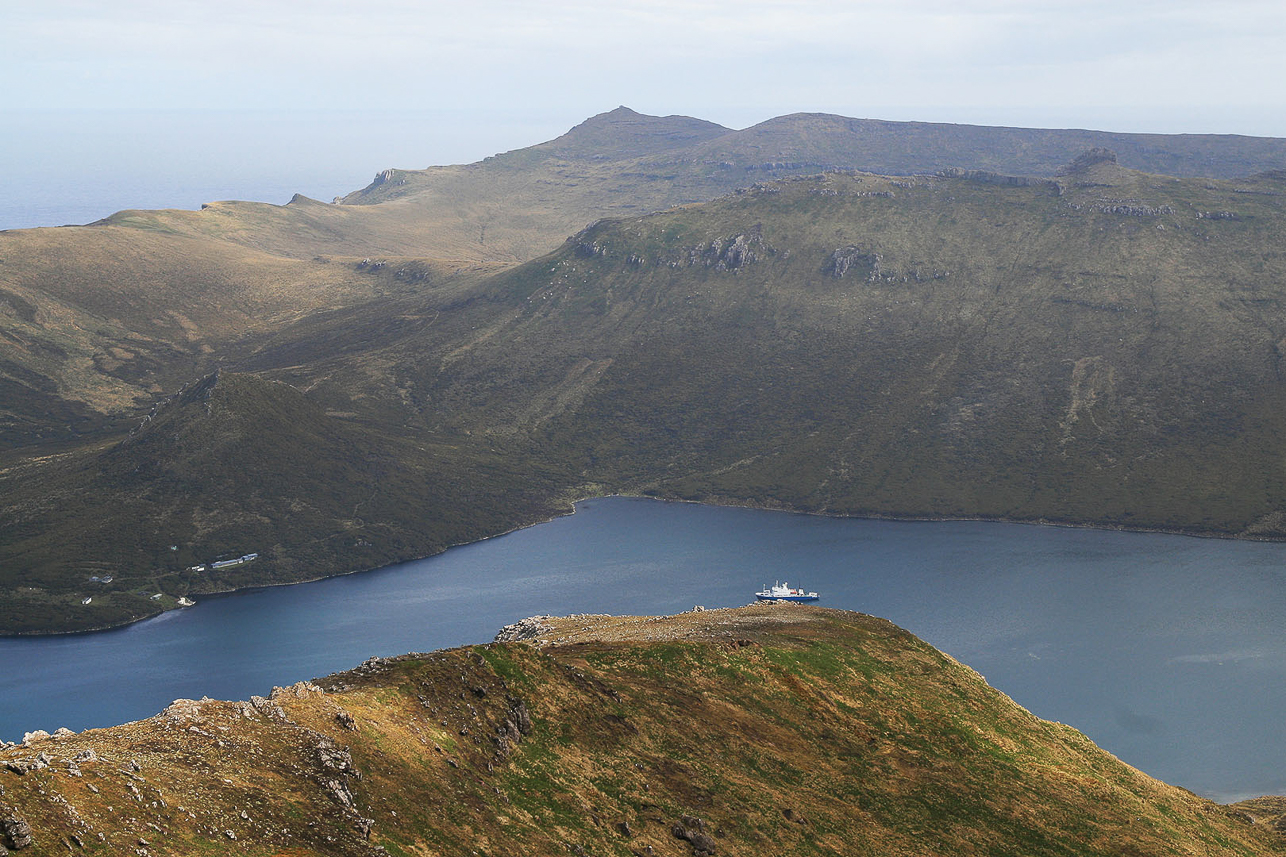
(1166, 650)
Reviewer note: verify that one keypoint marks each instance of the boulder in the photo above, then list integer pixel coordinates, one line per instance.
(18, 832)
(693, 831)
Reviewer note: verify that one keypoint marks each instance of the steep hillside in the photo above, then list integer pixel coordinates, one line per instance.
(231, 466)
(96, 320)
(761, 730)
(1104, 348)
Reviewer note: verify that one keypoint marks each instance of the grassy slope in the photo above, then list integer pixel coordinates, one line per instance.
(785, 730)
(905, 148)
(519, 204)
(97, 322)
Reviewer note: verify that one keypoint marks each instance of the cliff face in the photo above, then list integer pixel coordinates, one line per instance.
(761, 730)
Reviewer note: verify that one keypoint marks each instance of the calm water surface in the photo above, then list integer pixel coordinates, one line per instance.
(1166, 650)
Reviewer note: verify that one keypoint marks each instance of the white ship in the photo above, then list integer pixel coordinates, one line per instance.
(785, 592)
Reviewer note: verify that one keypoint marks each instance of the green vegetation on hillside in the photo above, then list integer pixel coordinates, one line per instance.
(1103, 350)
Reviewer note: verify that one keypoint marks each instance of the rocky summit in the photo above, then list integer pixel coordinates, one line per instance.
(768, 729)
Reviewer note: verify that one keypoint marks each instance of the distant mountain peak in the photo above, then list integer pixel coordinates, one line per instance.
(623, 132)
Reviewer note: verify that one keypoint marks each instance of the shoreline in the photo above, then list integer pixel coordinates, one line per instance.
(719, 502)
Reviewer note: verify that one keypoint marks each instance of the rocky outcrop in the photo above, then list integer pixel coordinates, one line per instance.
(336, 760)
(35, 763)
(17, 831)
(266, 706)
(515, 727)
(988, 177)
(693, 831)
(846, 259)
(732, 254)
(724, 254)
(526, 629)
(389, 176)
(1087, 159)
(589, 249)
(1132, 208)
(298, 690)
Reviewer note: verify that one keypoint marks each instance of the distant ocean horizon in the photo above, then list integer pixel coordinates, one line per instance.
(71, 167)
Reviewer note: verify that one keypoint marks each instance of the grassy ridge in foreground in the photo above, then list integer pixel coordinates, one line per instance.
(760, 730)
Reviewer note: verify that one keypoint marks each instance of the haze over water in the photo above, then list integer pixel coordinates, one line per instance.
(60, 167)
(1168, 651)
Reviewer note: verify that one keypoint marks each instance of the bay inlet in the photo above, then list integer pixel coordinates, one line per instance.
(1168, 651)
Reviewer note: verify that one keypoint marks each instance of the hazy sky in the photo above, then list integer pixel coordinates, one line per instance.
(1170, 65)
(257, 99)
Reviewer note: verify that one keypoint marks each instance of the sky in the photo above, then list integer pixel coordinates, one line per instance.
(1201, 65)
(410, 84)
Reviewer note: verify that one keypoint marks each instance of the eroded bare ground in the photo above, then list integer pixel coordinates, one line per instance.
(767, 729)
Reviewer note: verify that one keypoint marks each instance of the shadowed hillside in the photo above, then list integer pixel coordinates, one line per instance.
(230, 466)
(1104, 348)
